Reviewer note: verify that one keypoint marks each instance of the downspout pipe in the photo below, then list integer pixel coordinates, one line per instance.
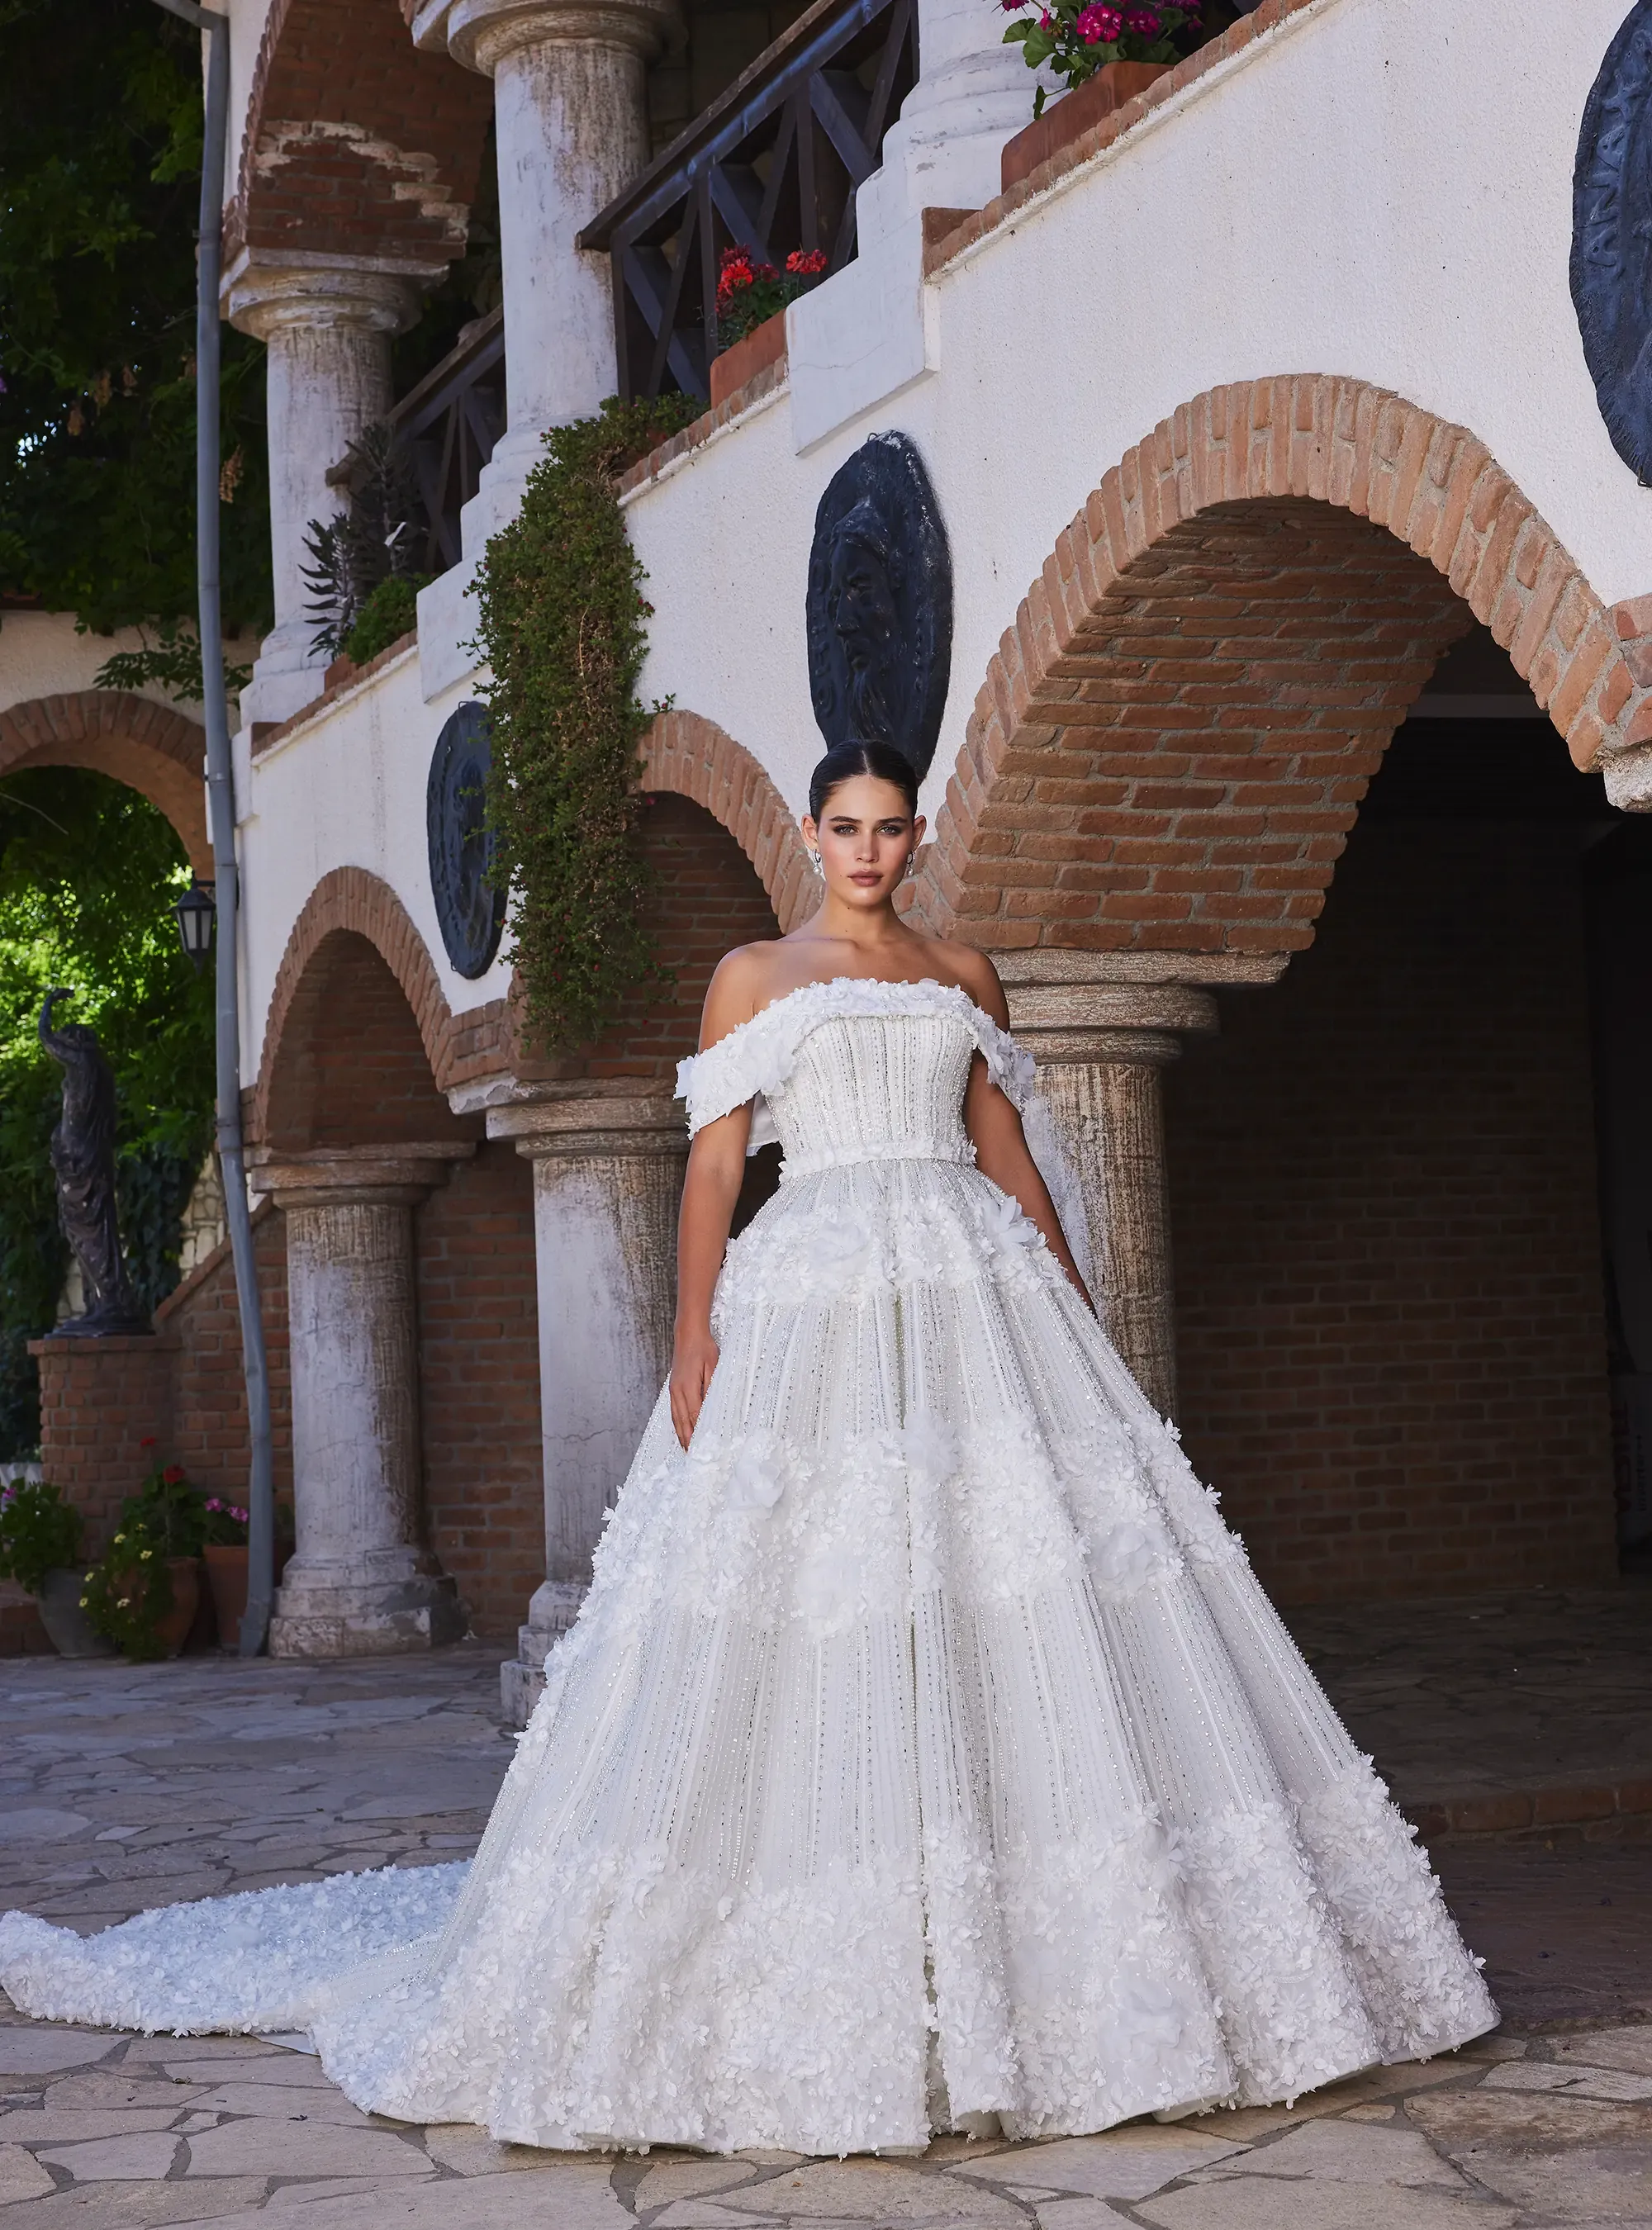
(221, 821)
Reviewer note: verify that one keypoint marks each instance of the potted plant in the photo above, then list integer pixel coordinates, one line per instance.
(143, 1592)
(39, 1548)
(751, 299)
(226, 1561)
(1111, 52)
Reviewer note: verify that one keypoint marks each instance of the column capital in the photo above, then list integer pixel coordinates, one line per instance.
(357, 1177)
(1143, 1023)
(482, 34)
(586, 1125)
(265, 295)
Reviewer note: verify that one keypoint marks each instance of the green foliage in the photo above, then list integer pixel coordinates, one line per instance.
(389, 612)
(562, 628)
(371, 542)
(170, 657)
(129, 1590)
(88, 872)
(39, 1533)
(100, 161)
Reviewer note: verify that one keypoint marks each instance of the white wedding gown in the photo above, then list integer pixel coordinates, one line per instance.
(925, 1749)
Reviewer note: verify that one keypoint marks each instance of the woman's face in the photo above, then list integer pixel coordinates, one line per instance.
(865, 836)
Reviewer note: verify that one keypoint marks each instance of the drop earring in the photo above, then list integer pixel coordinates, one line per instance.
(814, 861)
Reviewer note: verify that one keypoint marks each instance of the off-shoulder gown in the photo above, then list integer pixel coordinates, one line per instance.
(925, 1749)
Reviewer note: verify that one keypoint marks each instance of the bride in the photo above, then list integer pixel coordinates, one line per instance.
(925, 1755)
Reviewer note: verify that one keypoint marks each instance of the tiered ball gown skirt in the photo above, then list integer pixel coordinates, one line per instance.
(926, 1750)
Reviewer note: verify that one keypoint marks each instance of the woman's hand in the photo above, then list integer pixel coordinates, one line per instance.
(693, 1359)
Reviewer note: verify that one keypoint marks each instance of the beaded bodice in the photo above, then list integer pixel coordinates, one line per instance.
(853, 1071)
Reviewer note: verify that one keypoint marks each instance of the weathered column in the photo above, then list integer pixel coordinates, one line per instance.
(571, 119)
(1101, 1048)
(328, 334)
(607, 1178)
(363, 1580)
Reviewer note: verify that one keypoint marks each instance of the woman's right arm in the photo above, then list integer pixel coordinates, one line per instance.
(716, 1170)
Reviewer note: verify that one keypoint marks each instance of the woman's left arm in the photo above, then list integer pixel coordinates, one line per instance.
(1001, 1149)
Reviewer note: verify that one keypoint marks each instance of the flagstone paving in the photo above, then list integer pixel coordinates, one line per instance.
(125, 1787)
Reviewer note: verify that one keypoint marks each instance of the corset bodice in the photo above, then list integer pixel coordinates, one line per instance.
(856, 1069)
(875, 1088)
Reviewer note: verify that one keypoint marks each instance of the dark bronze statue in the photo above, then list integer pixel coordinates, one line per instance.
(83, 1157)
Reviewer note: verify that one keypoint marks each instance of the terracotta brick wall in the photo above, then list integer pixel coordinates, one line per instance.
(1392, 1343)
(208, 1435)
(479, 1364)
(704, 897)
(101, 1399)
(353, 1069)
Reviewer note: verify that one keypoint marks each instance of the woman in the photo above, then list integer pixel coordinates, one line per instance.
(924, 1756)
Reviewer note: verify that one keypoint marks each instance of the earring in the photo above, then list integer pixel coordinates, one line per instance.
(814, 861)
(912, 857)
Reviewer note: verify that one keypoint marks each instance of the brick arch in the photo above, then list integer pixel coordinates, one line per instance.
(1173, 740)
(355, 143)
(150, 747)
(351, 902)
(694, 757)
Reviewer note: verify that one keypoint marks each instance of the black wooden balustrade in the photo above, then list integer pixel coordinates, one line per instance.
(448, 426)
(770, 167)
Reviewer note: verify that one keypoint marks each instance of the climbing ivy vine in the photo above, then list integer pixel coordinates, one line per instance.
(564, 631)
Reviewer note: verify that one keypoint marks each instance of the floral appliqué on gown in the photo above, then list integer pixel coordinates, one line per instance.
(925, 1749)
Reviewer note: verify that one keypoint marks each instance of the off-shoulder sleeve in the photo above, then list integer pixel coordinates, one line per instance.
(1010, 1065)
(728, 1075)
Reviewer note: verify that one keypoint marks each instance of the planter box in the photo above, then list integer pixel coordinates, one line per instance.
(765, 345)
(1073, 115)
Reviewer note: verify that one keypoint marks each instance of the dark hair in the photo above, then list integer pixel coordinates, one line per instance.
(845, 761)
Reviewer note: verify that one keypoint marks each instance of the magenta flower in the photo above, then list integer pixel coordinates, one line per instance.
(1143, 20)
(1098, 22)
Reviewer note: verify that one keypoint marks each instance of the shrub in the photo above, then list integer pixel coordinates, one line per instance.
(39, 1533)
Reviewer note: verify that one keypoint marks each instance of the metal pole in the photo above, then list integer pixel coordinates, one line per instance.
(221, 816)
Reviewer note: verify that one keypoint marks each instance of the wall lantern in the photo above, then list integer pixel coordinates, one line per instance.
(197, 911)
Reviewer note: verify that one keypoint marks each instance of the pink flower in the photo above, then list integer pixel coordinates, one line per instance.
(1143, 21)
(1098, 22)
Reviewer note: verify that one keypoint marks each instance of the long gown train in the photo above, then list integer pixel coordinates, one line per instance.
(925, 1749)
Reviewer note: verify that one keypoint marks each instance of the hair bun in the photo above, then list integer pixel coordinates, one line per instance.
(844, 761)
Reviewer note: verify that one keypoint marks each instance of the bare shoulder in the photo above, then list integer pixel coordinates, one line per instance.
(740, 983)
(976, 972)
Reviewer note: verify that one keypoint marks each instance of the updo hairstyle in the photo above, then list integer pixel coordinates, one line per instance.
(845, 761)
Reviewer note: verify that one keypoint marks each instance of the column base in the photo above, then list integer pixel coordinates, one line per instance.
(521, 1679)
(380, 1619)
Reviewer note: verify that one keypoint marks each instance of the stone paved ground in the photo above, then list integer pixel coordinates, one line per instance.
(123, 1787)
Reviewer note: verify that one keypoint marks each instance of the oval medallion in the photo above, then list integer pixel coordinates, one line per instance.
(1611, 240)
(470, 912)
(880, 608)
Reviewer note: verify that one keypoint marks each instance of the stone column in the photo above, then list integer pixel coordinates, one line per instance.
(362, 1581)
(570, 117)
(607, 1179)
(328, 333)
(1100, 1048)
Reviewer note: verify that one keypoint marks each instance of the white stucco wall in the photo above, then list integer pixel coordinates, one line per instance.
(1380, 189)
(42, 655)
(346, 790)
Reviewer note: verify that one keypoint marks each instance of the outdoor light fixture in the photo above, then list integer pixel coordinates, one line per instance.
(197, 911)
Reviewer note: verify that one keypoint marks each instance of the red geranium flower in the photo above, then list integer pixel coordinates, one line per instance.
(172, 1474)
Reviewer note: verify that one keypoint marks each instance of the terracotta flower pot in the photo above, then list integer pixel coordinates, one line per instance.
(67, 1628)
(764, 345)
(226, 1576)
(174, 1629)
(1074, 114)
